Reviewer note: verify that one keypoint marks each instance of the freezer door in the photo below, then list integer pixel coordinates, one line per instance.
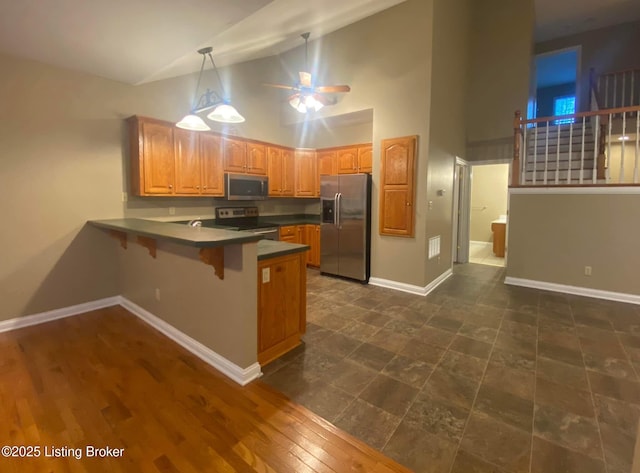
(329, 233)
(353, 223)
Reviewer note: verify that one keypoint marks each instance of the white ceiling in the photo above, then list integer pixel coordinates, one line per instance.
(557, 18)
(137, 41)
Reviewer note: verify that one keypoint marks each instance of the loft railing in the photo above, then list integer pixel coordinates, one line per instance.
(600, 147)
(617, 89)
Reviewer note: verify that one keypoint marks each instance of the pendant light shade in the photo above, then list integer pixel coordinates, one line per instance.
(225, 113)
(193, 123)
(222, 112)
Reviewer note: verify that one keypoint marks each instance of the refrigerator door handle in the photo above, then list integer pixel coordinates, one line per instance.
(339, 209)
(335, 209)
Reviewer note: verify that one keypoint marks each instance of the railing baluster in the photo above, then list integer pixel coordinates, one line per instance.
(624, 89)
(608, 157)
(615, 90)
(606, 91)
(546, 152)
(622, 146)
(535, 155)
(584, 126)
(633, 90)
(523, 159)
(635, 171)
(558, 155)
(570, 156)
(596, 149)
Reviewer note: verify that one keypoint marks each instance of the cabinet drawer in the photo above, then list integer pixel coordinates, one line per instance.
(287, 230)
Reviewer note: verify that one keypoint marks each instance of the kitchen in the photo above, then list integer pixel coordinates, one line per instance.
(71, 166)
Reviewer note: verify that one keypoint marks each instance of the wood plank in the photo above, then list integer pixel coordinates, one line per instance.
(107, 379)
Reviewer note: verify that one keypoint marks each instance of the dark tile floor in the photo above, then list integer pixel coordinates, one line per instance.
(476, 377)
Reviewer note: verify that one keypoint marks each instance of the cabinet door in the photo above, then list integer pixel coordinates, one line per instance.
(157, 157)
(288, 173)
(347, 160)
(365, 159)
(301, 234)
(313, 240)
(187, 156)
(235, 155)
(274, 171)
(256, 159)
(212, 169)
(397, 186)
(280, 302)
(327, 163)
(288, 233)
(306, 174)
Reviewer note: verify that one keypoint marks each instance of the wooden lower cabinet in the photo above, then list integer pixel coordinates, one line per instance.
(282, 305)
(312, 238)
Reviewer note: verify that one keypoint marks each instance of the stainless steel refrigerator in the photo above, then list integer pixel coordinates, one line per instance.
(345, 228)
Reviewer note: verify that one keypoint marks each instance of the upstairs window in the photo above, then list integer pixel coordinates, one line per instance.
(564, 106)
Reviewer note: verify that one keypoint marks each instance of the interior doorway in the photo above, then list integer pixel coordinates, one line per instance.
(489, 197)
(461, 211)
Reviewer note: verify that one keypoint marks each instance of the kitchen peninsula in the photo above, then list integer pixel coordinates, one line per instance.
(243, 307)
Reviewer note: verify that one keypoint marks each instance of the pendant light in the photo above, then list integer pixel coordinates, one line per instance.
(222, 111)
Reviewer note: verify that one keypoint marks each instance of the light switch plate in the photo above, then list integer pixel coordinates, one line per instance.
(266, 275)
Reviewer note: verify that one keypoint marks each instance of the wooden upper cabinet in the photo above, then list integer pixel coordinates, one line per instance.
(365, 158)
(327, 162)
(211, 157)
(187, 159)
(235, 155)
(306, 173)
(347, 160)
(398, 161)
(256, 159)
(274, 170)
(288, 172)
(281, 171)
(152, 157)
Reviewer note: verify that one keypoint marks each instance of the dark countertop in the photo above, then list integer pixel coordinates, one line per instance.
(199, 237)
(271, 249)
(275, 220)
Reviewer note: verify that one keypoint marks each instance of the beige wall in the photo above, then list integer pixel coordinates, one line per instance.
(221, 314)
(501, 48)
(489, 196)
(553, 237)
(607, 49)
(450, 72)
(631, 169)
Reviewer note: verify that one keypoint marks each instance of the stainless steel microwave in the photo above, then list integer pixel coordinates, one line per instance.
(245, 187)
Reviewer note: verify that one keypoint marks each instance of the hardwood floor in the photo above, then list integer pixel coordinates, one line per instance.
(106, 379)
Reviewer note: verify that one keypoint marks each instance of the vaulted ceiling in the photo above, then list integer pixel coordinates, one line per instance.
(137, 41)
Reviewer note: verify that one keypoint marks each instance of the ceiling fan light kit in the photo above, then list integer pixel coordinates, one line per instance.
(308, 97)
(223, 111)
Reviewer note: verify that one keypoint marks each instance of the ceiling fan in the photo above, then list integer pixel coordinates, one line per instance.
(308, 96)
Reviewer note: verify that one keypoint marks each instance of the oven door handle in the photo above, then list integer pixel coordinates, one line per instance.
(266, 231)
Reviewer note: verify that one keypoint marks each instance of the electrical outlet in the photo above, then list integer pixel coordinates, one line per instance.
(157, 293)
(172, 210)
(266, 275)
(587, 270)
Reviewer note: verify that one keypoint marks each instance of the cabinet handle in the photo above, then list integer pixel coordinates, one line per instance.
(408, 204)
(204, 187)
(170, 186)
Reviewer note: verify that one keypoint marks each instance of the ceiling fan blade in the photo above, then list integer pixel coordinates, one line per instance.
(331, 89)
(282, 86)
(305, 79)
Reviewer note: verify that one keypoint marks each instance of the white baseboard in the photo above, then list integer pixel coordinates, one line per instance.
(240, 375)
(43, 317)
(575, 290)
(410, 288)
(481, 243)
